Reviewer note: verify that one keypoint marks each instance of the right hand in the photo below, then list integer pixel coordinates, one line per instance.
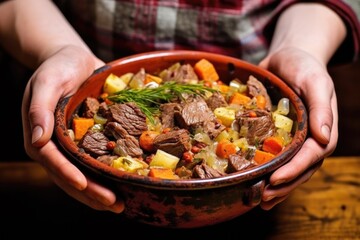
(60, 75)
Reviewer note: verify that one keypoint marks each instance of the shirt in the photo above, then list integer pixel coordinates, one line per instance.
(239, 28)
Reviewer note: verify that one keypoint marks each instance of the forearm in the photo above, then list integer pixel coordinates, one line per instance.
(33, 30)
(311, 27)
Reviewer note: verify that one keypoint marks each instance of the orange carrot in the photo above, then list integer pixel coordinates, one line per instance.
(239, 98)
(80, 126)
(252, 114)
(261, 157)
(206, 70)
(165, 173)
(260, 101)
(152, 78)
(225, 148)
(223, 88)
(146, 140)
(273, 145)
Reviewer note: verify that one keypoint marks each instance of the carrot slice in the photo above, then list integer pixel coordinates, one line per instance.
(81, 125)
(146, 140)
(206, 70)
(260, 101)
(239, 98)
(225, 148)
(165, 173)
(273, 145)
(261, 157)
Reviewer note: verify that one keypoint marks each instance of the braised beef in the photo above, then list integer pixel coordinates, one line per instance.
(183, 172)
(90, 107)
(257, 88)
(216, 100)
(94, 143)
(167, 114)
(194, 112)
(128, 146)
(115, 130)
(259, 127)
(213, 128)
(130, 117)
(107, 159)
(104, 110)
(174, 142)
(205, 171)
(184, 74)
(237, 162)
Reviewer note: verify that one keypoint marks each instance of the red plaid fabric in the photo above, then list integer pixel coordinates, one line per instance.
(232, 27)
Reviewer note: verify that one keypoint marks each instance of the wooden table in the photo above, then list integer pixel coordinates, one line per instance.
(326, 207)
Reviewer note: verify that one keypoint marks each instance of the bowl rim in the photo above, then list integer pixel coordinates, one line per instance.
(78, 156)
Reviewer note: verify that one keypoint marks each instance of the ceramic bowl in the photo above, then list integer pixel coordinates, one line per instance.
(182, 203)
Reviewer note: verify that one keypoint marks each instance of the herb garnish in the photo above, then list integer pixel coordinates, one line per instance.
(149, 99)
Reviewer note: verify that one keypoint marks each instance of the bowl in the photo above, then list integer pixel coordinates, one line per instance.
(182, 203)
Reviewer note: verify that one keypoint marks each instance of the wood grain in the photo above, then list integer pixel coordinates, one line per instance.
(326, 207)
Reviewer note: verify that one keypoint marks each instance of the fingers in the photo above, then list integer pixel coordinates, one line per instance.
(311, 81)
(44, 97)
(322, 106)
(49, 84)
(73, 182)
(94, 195)
(274, 195)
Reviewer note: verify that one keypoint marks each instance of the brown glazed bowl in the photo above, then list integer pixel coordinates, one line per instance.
(182, 203)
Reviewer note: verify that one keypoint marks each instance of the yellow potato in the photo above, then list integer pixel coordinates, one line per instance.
(225, 115)
(164, 159)
(282, 122)
(114, 84)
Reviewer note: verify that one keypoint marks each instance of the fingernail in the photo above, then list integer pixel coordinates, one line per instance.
(117, 207)
(36, 134)
(278, 182)
(325, 130)
(269, 198)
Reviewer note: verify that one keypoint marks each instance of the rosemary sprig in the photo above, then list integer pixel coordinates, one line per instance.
(149, 99)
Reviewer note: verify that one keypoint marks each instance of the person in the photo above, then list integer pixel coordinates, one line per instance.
(65, 41)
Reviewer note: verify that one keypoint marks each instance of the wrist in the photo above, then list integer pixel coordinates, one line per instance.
(310, 27)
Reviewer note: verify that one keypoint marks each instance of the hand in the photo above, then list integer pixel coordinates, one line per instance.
(311, 81)
(59, 76)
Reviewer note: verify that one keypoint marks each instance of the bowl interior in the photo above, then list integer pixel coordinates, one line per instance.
(227, 67)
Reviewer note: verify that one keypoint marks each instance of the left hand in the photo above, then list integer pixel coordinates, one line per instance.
(311, 81)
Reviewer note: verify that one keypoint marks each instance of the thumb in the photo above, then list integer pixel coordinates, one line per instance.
(40, 100)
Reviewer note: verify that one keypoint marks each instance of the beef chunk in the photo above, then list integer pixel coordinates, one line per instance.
(257, 88)
(90, 107)
(94, 143)
(258, 128)
(183, 172)
(107, 159)
(193, 113)
(213, 128)
(115, 130)
(128, 146)
(237, 162)
(130, 117)
(183, 74)
(167, 114)
(104, 110)
(216, 100)
(205, 171)
(174, 142)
